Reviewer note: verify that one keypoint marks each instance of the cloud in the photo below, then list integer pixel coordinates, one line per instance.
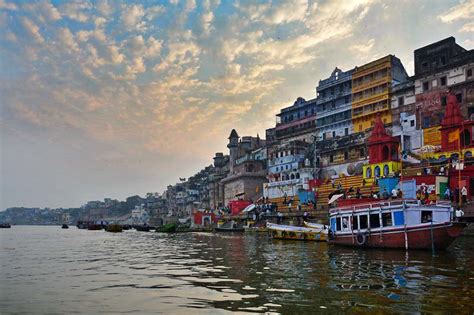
(132, 16)
(363, 48)
(462, 11)
(43, 10)
(468, 27)
(32, 29)
(76, 10)
(67, 38)
(8, 5)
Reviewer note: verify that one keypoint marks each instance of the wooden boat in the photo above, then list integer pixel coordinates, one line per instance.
(256, 229)
(289, 232)
(5, 225)
(114, 228)
(167, 228)
(394, 224)
(229, 226)
(65, 226)
(142, 228)
(94, 227)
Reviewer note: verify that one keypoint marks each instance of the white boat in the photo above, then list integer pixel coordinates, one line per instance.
(290, 232)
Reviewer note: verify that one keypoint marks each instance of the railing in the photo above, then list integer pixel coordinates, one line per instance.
(386, 205)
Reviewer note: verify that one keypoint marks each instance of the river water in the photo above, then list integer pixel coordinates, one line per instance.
(48, 270)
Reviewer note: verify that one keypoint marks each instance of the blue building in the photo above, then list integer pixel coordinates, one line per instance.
(296, 122)
(334, 105)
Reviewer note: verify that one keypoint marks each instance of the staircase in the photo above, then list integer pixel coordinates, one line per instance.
(346, 182)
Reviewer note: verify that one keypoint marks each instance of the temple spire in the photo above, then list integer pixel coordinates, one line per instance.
(452, 114)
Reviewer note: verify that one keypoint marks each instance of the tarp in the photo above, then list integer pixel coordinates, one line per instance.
(334, 198)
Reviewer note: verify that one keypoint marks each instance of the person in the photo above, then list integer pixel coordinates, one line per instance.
(447, 194)
(305, 216)
(399, 193)
(459, 214)
(344, 223)
(333, 182)
(358, 194)
(464, 194)
(279, 217)
(394, 193)
(363, 182)
(339, 186)
(385, 194)
(441, 170)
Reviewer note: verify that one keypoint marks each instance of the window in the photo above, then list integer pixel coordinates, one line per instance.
(377, 171)
(412, 123)
(374, 221)
(324, 136)
(355, 223)
(338, 224)
(401, 101)
(426, 216)
(368, 172)
(426, 86)
(386, 170)
(331, 158)
(443, 60)
(444, 100)
(426, 122)
(386, 219)
(363, 221)
(346, 155)
(442, 81)
(362, 152)
(345, 223)
(334, 134)
(459, 97)
(469, 73)
(346, 131)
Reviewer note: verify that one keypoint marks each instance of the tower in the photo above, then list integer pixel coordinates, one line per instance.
(382, 147)
(233, 148)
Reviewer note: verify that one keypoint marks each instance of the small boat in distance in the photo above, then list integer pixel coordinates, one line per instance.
(142, 228)
(394, 224)
(114, 228)
(229, 226)
(290, 232)
(5, 225)
(64, 226)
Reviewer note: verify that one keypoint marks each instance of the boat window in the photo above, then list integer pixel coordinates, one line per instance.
(374, 221)
(345, 223)
(387, 219)
(426, 216)
(363, 221)
(338, 224)
(333, 224)
(398, 218)
(355, 223)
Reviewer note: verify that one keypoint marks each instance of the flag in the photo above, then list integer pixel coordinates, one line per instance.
(453, 136)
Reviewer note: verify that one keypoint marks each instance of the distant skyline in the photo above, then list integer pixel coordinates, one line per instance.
(116, 98)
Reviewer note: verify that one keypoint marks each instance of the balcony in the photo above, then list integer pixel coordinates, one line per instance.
(338, 143)
(382, 96)
(371, 83)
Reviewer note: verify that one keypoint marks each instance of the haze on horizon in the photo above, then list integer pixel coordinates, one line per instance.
(116, 98)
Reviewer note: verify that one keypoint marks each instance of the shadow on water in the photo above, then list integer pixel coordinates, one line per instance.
(59, 271)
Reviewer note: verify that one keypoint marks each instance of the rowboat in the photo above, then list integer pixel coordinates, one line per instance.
(289, 232)
(394, 224)
(114, 228)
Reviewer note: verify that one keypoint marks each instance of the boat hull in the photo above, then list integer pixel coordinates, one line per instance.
(218, 229)
(417, 237)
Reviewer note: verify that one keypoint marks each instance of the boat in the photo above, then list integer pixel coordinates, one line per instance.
(167, 228)
(290, 232)
(256, 229)
(114, 228)
(394, 224)
(229, 226)
(94, 227)
(65, 226)
(142, 228)
(5, 225)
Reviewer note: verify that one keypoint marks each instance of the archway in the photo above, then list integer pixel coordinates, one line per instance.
(465, 138)
(368, 172)
(377, 171)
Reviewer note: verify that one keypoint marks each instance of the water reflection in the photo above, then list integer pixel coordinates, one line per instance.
(48, 270)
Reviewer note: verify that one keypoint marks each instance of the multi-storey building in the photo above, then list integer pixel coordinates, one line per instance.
(297, 122)
(440, 67)
(333, 105)
(288, 170)
(371, 91)
(404, 116)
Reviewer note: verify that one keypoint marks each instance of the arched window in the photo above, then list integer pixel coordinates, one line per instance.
(368, 172)
(297, 175)
(385, 153)
(377, 171)
(394, 153)
(468, 154)
(292, 176)
(386, 170)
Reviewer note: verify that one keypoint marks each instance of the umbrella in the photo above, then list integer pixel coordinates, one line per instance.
(334, 198)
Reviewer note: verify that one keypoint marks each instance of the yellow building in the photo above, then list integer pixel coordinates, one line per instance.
(371, 91)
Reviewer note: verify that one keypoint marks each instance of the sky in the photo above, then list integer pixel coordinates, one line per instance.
(116, 98)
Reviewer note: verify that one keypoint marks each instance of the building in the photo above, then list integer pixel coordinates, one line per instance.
(440, 67)
(333, 105)
(296, 122)
(371, 91)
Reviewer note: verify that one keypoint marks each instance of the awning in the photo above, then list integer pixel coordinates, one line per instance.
(249, 208)
(239, 194)
(334, 198)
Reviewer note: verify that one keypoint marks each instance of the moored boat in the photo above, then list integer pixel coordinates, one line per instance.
(5, 225)
(394, 224)
(114, 228)
(167, 228)
(289, 232)
(65, 226)
(142, 228)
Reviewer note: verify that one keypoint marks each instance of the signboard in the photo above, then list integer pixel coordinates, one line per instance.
(432, 136)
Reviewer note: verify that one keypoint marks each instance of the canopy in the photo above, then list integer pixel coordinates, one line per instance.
(249, 208)
(334, 198)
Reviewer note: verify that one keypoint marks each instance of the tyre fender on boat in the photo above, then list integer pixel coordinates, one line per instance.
(361, 239)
